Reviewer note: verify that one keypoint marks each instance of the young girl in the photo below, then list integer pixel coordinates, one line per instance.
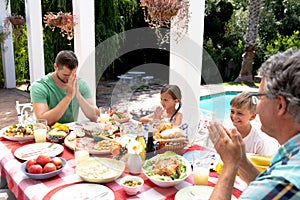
(170, 96)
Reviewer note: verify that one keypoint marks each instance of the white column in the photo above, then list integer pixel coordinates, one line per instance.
(35, 39)
(186, 64)
(7, 48)
(84, 42)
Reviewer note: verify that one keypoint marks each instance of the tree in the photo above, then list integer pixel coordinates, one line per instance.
(250, 41)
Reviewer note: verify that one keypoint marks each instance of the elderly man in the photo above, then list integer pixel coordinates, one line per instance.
(58, 95)
(278, 108)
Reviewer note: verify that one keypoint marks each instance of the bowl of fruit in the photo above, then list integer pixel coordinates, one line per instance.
(43, 167)
(56, 135)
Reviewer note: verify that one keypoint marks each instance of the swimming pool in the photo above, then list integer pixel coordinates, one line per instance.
(219, 104)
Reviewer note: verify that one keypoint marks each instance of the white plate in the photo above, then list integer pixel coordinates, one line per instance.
(199, 192)
(32, 151)
(84, 191)
(72, 143)
(15, 138)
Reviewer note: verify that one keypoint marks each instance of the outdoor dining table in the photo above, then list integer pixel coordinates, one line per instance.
(137, 76)
(26, 188)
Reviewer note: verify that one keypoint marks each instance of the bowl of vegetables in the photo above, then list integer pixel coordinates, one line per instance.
(132, 184)
(167, 169)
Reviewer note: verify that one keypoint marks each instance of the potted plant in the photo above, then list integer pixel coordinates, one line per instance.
(160, 13)
(64, 21)
(17, 22)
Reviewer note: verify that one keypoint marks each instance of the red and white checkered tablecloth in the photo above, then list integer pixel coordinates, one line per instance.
(27, 188)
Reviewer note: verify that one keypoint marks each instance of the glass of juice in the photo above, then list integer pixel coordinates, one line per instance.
(201, 168)
(40, 130)
(81, 153)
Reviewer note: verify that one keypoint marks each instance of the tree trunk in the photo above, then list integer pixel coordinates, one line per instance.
(247, 67)
(249, 48)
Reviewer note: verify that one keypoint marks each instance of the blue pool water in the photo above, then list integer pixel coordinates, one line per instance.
(218, 103)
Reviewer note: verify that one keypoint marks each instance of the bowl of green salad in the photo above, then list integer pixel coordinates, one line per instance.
(167, 169)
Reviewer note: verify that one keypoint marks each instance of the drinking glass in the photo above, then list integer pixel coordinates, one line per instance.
(40, 130)
(104, 114)
(201, 168)
(201, 173)
(81, 153)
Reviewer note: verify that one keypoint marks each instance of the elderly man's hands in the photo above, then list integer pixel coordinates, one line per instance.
(229, 145)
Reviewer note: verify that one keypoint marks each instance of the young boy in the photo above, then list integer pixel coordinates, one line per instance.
(241, 113)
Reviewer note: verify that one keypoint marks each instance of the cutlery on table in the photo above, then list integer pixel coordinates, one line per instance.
(38, 151)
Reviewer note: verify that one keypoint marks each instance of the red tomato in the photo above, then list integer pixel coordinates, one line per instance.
(111, 113)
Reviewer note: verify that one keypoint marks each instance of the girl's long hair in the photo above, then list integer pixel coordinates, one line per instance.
(175, 93)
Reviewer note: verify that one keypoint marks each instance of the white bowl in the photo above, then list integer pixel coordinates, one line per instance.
(166, 183)
(100, 170)
(132, 190)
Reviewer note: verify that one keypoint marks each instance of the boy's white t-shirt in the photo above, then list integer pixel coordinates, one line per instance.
(259, 143)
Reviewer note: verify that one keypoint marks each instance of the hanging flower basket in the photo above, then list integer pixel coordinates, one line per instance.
(56, 22)
(64, 21)
(16, 20)
(160, 13)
